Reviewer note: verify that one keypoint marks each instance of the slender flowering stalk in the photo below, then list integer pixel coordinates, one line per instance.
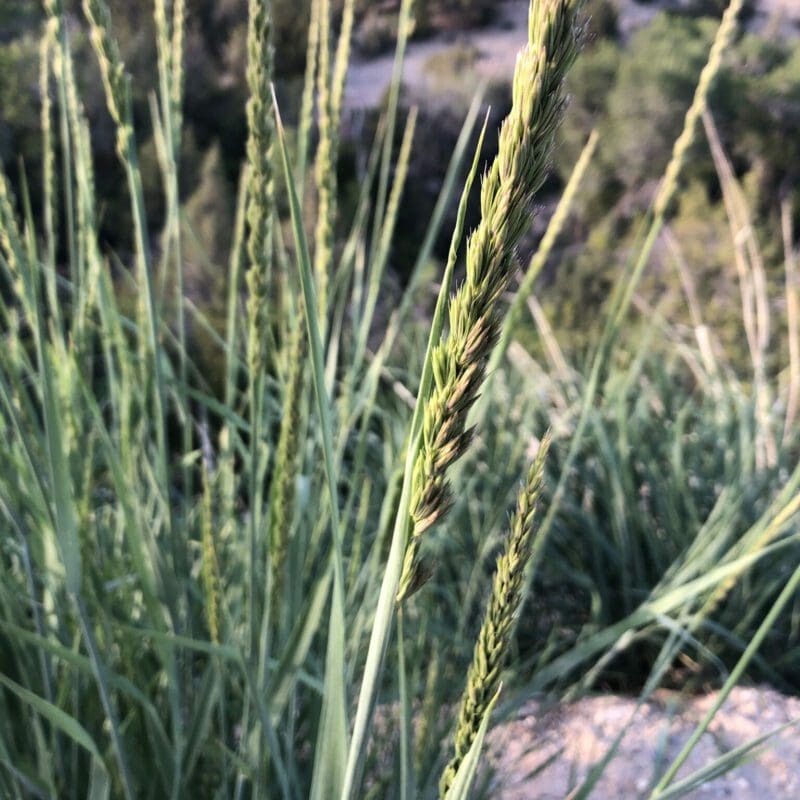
(259, 248)
(459, 360)
(286, 459)
(307, 103)
(10, 237)
(12, 248)
(117, 85)
(491, 649)
(210, 567)
(680, 150)
(46, 53)
(331, 84)
(259, 156)
(161, 17)
(56, 30)
(170, 67)
(112, 70)
(342, 61)
(622, 298)
(177, 49)
(325, 171)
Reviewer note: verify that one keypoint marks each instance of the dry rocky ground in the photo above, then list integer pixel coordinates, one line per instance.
(496, 46)
(525, 751)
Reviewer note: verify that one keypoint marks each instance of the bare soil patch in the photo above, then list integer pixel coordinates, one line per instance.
(584, 730)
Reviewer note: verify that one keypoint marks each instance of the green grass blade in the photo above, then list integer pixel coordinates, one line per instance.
(60, 477)
(297, 647)
(60, 719)
(404, 27)
(725, 763)
(332, 736)
(764, 629)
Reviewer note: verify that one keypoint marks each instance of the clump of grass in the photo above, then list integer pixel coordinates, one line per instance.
(148, 620)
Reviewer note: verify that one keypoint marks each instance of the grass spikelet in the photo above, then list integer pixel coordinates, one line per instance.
(210, 568)
(683, 143)
(459, 360)
(116, 83)
(342, 60)
(48, 154)
(330, 85)
(259, 150)
(259, 248)
(177, 48)
(325, 169)
(307, 102)
(286, 459)
(85, 211)
(491, 649)
(11, 247)
(161, 20)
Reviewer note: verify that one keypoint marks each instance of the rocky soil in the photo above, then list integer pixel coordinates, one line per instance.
(497, 45)
(543, 756)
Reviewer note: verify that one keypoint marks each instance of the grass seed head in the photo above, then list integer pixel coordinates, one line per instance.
(459, 360)
(483, 679)
(116, 81)
(260, 190)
